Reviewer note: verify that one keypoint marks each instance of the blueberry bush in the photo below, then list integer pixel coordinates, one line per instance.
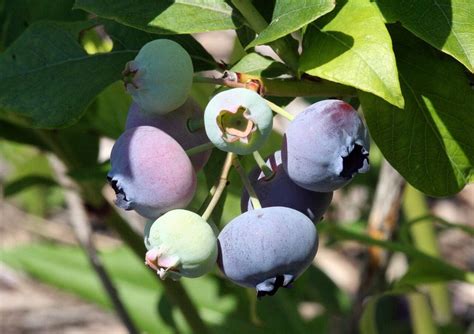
(236, 204)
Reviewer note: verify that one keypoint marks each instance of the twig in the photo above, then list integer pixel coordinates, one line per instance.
(219, 189)
(382, 221)
(284, 87)
(83, 232)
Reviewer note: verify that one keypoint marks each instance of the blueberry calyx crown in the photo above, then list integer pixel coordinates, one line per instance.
(271, 285)
(129, 75)
(236, 125)
(121, 199)
(354, 161)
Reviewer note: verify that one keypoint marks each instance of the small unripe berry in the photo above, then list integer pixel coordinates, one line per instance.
(238, 120)
(160, 77)
(181, 243)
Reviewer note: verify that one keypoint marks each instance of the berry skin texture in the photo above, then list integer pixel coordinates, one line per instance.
(150, 172)
(175, 124)
(267, 248)
(181, 243)
(325, 146)
(280, 190)
(238, 120)
(160, 77)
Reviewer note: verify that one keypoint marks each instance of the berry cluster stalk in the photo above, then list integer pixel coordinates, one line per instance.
(219, 188)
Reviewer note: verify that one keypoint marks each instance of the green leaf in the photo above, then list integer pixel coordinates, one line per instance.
(127, 38)
(166, 16)
(256, 64)
(430, 142)
(47, 80)
(421, 272)
(448, 25)
(352, 46)
(289, 16)
(26, 182)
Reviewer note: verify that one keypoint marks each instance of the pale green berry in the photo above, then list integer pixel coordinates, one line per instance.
(160, 77)
(238, 120)
(180, 243)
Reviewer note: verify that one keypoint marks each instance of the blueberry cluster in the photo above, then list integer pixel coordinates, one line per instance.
(275, 239)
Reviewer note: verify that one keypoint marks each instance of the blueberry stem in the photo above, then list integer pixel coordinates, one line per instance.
(267, 171)
(219, 188)
(199, 148)
(195, 124)
(245, 180)
(280, 110)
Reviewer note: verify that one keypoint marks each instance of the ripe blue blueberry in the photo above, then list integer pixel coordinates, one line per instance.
(267, 248)
(325, 146)
(175, 124)
(160, 77)
(150, 172)
(238, 120)
(280, 190)
(181, 243)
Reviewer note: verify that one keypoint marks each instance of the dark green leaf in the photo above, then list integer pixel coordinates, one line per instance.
(19, 134)
(430, 142)
(23, 183)
(108, 113)
(47, 80)
(166, 16)
(448, 25)
(289, 16)
(17, 15)
(352, 46)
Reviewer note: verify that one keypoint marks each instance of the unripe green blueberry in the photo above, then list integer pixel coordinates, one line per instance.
(160, 77)
(238, 120)
(181, 243)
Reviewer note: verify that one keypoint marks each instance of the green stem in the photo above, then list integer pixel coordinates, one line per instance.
(200, 148)
(421, 320)
(279, 110)
(248, 186)
(284, 87)
(195, 124)
(424, 238)
(305, 87)
(258, 24)
(221, 184)
(267, 171)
